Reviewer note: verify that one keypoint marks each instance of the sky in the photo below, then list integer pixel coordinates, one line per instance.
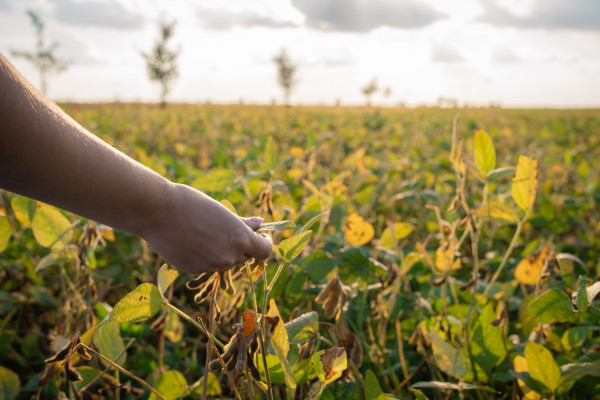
(512, 53)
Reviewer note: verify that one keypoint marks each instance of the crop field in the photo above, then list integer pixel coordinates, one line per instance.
(419, 253)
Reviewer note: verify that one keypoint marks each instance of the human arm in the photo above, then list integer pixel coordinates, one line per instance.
(46, 155)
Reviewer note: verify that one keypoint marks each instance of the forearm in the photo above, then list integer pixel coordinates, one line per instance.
(46, 155)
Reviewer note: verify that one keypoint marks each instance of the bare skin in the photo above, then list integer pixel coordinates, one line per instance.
(46, 155)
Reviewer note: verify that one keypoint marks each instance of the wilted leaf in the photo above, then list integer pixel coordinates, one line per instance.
(330, 364)
(498, 211)
(50, 227)
(357, 230)
(10, 384)
(166, 277)
(139, 305)
(524, 183)
(444, 258)
(529, 269)
(484, 152)
(542, 366)
(447, 358)
(281, 345)
(551, 306)
(291, 248)
(5, 233)
(171, 385)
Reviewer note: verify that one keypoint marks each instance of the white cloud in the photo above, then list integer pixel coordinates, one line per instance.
(98, 13)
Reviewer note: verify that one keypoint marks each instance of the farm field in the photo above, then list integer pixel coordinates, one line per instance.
(437, 253)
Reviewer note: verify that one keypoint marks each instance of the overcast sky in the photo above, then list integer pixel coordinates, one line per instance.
(508, 52)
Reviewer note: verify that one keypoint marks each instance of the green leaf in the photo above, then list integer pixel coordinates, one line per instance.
(139, 305)
(171, 385)
(312, 221)
(582, 300)
(571, 373)
(88, 374)
(50, 227)
(212, 388)
(10, 385)
(574, 337)
(281, 344)
(108, 341)
(300, 329)
(487, 346)
(542, 366)
(276, 226)
(270, 155)
(484, 152)
(5, 233)
(551, 306)
(447, 358)
(60, 256)
(216, 180)
(24, 209)
(166, 277)
(401, 230)
(291, 248)
(531, 383)
(373, 390)
(498, 211)
(418, 394)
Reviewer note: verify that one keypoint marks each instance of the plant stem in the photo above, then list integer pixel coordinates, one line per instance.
(195, 323)
(259, 329)
(211, 316)
(123, 370)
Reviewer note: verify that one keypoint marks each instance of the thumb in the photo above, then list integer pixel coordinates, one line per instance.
(253, 222)
(261, 246)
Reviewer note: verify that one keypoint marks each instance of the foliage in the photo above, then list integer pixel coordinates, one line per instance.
(428, 257)
(161, 62)
(43, 58)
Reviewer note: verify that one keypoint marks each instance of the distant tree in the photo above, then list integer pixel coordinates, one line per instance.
(387, 92)
(43, 57)
(369, 90)
(161, 62)
(286, 74)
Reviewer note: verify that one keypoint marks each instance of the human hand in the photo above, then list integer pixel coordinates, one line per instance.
(196, 234)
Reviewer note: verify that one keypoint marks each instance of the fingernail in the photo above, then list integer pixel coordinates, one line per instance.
(256, 219)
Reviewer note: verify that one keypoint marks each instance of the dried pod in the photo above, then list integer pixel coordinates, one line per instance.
(84, 354)
(324, 293)
(252, 367)
(200, 280)
(205, 292)
(242, 356)
(467, 285)
(159, 323)
(222, 281)
(439, 281)
(230, 289)
(61, 355)
(233, 362)
(307, 348)
(72, 374)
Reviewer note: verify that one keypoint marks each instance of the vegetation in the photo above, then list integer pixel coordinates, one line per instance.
(286, 74)
(369, 90)
(161, 63)
(428, 256)
(43, 58)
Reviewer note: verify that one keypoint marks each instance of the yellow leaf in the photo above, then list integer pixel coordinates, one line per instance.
(525, 182)
(529, 269)
(484, 152)
(401, 230)
(358, 231)
(495, 210)
(444, 258)
(50, 227)
(520, 363)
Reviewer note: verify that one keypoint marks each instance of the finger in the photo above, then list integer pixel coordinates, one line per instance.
(261, 246)
(253, 222)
